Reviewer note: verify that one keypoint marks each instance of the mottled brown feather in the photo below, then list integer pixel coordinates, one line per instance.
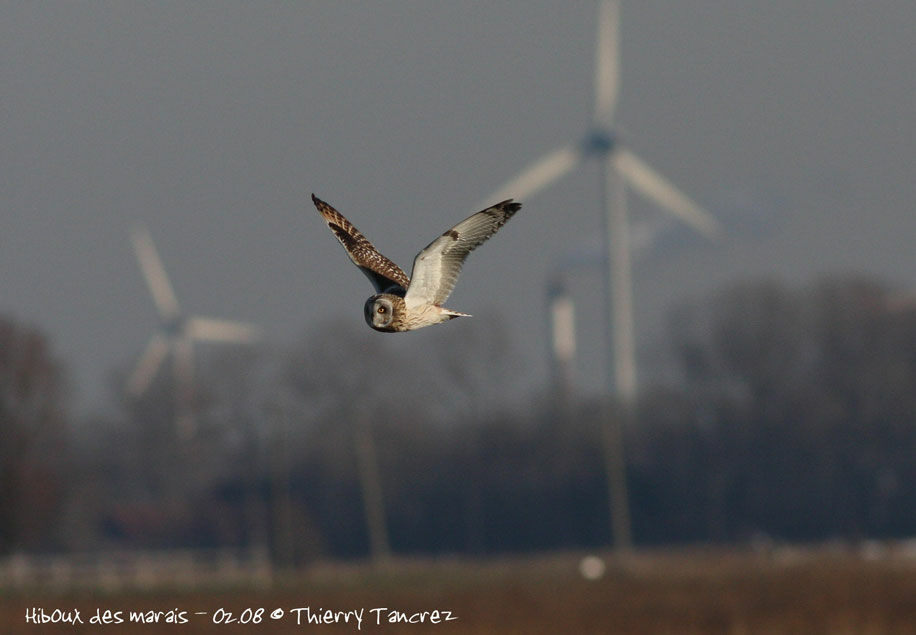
(382, 273)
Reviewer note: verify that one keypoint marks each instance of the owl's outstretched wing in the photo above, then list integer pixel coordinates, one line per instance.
(382, 273)
(436, 268)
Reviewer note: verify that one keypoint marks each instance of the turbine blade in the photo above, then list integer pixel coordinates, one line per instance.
(607, 62)
(154, 273)
(537, 176)
(654, 186)
(148, 365)
(222, 330)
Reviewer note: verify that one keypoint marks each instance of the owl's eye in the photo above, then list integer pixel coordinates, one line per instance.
(381, 309)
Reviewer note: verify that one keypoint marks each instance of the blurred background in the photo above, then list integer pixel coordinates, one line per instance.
(776, 361)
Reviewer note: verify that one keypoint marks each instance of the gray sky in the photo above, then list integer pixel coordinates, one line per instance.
(213, 121)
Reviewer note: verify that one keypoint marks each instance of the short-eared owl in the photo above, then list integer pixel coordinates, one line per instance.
(405, 304)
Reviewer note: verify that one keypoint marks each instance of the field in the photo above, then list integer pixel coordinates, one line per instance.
(803, 591)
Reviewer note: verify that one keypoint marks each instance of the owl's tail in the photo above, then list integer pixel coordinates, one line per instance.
(449, 314)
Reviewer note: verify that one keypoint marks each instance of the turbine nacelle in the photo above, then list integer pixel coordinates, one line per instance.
(599, 143)
(173, 326)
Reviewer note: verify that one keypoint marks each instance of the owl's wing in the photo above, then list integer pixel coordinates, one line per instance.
(436, 268)
(382, 273)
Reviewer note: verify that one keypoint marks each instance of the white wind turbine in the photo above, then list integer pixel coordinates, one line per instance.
(176, 333)
(620, 167)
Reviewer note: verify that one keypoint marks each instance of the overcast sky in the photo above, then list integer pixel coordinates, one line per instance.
(212, 122)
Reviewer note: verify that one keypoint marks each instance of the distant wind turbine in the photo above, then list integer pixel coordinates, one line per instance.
(176, 333)
(619, 167)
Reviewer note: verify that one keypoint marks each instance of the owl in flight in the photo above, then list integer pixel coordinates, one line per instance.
(402, 303)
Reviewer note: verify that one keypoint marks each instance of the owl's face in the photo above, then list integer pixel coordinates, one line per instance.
(382, 310)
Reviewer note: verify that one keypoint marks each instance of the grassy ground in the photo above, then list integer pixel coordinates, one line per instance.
(677, 592)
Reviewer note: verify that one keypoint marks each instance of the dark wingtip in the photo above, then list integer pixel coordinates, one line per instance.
(321, 206)
(509, 205)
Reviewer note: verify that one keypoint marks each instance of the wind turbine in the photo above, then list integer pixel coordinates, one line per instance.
(620, 168)
(176, 333)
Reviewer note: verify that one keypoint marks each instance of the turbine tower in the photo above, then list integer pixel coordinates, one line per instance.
(620, 168)
(562, 316)
(176, 333)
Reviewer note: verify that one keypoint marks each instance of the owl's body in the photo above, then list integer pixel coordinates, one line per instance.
(402, 304)
(389, 313)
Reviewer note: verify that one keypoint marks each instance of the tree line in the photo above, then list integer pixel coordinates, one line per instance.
(793, 416)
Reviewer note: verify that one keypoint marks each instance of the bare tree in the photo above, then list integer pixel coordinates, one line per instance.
(32, 451)
(805, 406)
(475, 368)
(348, 378)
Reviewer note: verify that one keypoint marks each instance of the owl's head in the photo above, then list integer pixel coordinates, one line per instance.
(381, 311)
